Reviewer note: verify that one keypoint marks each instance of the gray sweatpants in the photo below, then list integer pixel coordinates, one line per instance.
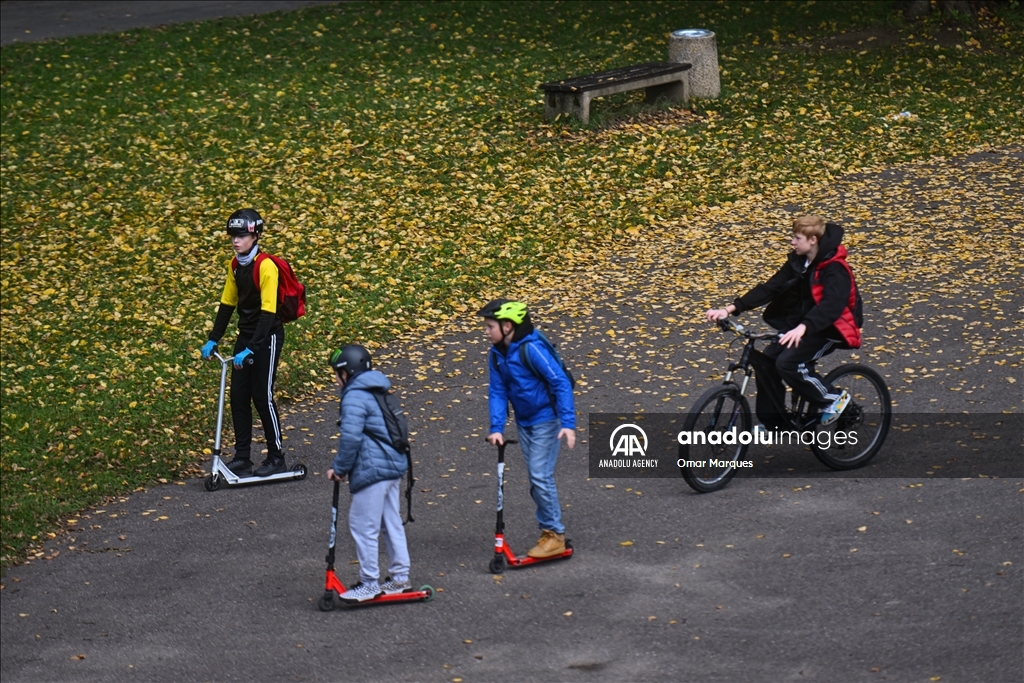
(375, 510)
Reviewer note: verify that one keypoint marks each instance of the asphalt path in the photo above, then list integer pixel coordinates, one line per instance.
(806, 576)
(27, 21)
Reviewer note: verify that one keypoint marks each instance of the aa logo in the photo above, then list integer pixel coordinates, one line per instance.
(629, 441)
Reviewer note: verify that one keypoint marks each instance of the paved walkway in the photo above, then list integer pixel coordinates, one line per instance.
(806, 577)
(25, 21)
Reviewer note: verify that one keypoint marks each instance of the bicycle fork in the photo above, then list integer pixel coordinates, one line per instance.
(743, 365)
(734, 413)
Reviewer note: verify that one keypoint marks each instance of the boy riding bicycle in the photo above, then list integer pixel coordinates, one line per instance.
(814, 303)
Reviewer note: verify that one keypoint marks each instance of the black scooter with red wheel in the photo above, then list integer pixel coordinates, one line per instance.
(503, 555)
(334, 586)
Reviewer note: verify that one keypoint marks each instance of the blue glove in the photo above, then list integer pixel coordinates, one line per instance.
(241, 356)
(208, 348)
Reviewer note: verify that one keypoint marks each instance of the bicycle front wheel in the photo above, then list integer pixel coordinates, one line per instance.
(852, 440)
(705, 461)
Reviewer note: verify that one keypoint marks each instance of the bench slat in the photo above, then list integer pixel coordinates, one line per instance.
(624, 75)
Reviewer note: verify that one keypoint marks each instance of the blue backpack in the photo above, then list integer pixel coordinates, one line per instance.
(524, 358)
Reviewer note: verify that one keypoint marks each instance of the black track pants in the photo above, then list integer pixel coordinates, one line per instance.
(796, 367)
(254, 384)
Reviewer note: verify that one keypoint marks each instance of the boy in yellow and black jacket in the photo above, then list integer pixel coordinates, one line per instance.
(258, 347)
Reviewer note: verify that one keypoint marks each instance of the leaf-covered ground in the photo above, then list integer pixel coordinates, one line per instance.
(400, 154)
(931, 245)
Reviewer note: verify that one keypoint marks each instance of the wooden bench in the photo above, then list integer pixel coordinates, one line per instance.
(662, 80)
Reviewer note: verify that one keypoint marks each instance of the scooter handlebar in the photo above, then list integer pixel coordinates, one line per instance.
(216, 354)
(505, 442)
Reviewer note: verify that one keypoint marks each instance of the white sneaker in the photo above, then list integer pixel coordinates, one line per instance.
(361, 592)
(391, 586)
(832, 412)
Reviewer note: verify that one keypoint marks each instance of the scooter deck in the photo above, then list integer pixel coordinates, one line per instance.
(335, 588)
(504, 558)
(526, 560)
(220, 475)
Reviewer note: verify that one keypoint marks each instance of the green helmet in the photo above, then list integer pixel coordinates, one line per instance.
(503, 309)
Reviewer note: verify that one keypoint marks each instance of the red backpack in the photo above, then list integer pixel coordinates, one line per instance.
(291, 294)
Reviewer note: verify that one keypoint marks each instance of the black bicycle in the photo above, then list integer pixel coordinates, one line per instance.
(711, 460)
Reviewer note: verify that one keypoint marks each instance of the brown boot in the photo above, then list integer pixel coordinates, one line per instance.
(549, 545)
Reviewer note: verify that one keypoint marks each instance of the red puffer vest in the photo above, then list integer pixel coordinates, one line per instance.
(847, 322)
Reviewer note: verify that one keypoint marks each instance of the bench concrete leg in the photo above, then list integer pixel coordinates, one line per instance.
(581, 106)
(570, 104)
(556, 103)
(676, 91)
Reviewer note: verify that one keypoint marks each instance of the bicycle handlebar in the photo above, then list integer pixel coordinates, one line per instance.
(729, 326)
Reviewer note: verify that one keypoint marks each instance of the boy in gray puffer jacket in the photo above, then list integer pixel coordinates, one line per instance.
(374, 470)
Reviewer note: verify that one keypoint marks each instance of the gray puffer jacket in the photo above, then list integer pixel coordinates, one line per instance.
(364, 459)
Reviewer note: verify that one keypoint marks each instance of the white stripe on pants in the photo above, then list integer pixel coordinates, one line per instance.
(375, 509)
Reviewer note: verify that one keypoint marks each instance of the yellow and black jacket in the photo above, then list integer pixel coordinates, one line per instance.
(257, 306)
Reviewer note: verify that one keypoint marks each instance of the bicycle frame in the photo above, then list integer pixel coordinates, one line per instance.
(750, 361)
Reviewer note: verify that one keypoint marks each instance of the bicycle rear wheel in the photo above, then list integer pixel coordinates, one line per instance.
(864, 424)
(720, 410)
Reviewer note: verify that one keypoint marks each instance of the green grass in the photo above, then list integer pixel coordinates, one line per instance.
(400, 156)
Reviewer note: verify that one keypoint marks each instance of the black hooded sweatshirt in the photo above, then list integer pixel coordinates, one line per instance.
(788, 292)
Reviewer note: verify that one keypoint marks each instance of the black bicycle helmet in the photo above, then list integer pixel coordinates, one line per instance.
(245, 222)
(352, 358)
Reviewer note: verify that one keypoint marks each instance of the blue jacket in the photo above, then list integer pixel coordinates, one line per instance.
(530, 395)
(364, 459)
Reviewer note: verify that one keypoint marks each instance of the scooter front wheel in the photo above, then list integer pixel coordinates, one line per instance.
(497, 565)
(212, 482)
(326, 603)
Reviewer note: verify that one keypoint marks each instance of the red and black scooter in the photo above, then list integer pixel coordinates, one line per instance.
(335, 586)
(503, 555)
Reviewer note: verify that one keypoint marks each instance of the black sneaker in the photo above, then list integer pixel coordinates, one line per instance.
(241, 466)
(270, 466)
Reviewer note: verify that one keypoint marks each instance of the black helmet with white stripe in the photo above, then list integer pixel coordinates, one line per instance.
(245, 222)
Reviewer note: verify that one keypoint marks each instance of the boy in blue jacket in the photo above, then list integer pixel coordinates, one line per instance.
(544, 409)
(374, 470)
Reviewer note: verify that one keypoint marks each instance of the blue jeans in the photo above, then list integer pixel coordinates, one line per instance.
(540, 445)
